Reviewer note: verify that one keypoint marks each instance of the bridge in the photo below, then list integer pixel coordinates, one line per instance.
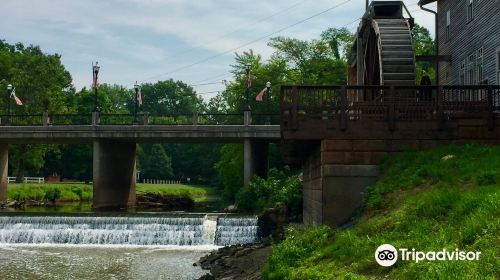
(114, 138)
(337, 133)
(340, 133)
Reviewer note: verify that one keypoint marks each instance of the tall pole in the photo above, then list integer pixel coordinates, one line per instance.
(95, 73)
(268, 91)
(136, 87)
(248, 85)
(366, 5)
(9, 92)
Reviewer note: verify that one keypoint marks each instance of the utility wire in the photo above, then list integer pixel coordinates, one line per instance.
(248, 43)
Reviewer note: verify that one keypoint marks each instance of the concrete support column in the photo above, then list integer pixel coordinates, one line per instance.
(248, 165)
(114, 175)
(255, 159)
(4, 166)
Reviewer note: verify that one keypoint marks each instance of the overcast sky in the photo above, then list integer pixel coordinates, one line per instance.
(151, 40)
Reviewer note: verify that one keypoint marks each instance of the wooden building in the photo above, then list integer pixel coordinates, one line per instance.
(468, 32)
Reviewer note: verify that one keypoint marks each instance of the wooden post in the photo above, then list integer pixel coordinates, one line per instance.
(392, 109)
(343, 109)
(440, 109)
(294, 116)
(491, 115)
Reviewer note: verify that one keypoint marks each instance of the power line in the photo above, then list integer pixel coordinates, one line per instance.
(248, 43)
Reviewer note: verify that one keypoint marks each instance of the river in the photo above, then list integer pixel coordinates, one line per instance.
(115, 247)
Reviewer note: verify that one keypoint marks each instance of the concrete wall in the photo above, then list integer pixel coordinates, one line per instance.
(335, 180)
(114, 175)
(4, 166)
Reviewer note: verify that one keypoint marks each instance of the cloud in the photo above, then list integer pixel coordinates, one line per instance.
(134, 39)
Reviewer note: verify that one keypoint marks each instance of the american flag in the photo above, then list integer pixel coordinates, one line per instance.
(260, 96)
(95, 84)
(139, 97)
(13, 94)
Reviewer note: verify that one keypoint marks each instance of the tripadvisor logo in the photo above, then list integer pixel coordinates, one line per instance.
(387, 255)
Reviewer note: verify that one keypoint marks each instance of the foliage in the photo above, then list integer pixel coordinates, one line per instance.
(441, 207)
(154, 162)
(83, 192)
(229, 170)
(423, 45)
(279, 188)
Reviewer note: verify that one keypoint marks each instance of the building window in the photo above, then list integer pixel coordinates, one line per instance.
(448, 21)
(462, 73)
(479, 66)
(470, 69)
(470, 10)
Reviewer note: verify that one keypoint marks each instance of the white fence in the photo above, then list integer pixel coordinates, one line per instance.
(39, 180)
(163, 182)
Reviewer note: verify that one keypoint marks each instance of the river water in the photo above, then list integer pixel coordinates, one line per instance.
(115, 247)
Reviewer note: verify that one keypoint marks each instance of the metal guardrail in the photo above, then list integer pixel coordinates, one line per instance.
(46, 119)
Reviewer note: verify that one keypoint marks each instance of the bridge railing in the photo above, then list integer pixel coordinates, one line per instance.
(204, 118)
(384, 103)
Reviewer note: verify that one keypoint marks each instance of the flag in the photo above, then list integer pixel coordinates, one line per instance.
(13, 94)
(261, 95)
(139, 97)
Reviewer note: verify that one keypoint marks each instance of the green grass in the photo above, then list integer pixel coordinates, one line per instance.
(421, 202)
(83, 192)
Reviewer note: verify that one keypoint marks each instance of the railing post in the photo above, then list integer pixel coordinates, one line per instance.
(392, 108)
(247, 117)
(440, 109)
(294, 112)
(343, 108)
(95, 118)
(45, 118)
(491, 115)
(146, 118)
(195, 118)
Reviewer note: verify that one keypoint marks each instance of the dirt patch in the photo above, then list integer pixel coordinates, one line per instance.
(242, 262)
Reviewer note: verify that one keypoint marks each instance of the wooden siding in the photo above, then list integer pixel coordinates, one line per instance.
(466, 38)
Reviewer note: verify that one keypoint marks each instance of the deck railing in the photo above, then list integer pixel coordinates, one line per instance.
(384, 103)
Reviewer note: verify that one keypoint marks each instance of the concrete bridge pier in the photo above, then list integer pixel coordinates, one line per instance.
(335, 181)
(4, 166)
(114, 175)
(255, 159)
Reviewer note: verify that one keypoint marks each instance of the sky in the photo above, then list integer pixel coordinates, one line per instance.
(189, 40)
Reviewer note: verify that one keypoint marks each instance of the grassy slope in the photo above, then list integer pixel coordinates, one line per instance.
(82, 192)
(420, 202)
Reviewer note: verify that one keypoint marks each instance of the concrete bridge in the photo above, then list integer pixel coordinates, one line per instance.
(114, 147)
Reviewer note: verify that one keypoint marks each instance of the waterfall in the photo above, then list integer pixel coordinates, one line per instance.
(181, 230)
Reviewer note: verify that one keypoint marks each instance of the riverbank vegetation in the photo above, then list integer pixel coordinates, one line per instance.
(74, 192)
(443, 198)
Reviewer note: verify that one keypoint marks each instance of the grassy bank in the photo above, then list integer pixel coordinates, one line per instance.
(445, 198)
(83, 192)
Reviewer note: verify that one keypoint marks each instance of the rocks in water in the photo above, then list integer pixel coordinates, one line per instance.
(231, 209)
(272, 223)
(236, 262)
(164, 201)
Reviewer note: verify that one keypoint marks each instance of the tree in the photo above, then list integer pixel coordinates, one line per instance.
(154, 162)
(423, 45)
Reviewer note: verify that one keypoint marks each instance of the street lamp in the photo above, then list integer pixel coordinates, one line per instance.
(137, 87)
(95, 73)
(9, 92)
(268, 90)
(249, 84)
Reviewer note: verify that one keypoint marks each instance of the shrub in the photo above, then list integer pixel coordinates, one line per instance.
(277, 189)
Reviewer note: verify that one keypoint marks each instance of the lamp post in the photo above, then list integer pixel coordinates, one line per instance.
(95, 72)
(137, 87)
(9, 92)
(247, 71)
(268, 90)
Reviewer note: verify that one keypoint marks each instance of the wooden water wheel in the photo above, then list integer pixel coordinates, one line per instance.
(384, 49)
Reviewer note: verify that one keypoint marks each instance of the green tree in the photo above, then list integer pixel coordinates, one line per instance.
(423, 44)
(154, 162)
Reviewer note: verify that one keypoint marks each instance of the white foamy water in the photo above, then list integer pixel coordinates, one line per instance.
(144, 231)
